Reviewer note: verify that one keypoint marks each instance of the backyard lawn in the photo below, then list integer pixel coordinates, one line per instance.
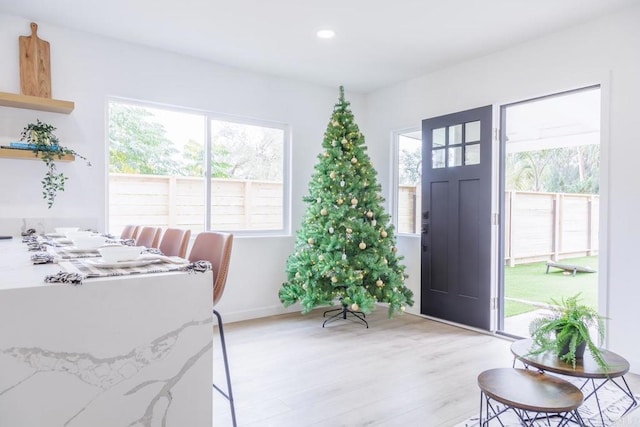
(530, 283)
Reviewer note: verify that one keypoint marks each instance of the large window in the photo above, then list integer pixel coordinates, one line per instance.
(186, 169)
(408, 168)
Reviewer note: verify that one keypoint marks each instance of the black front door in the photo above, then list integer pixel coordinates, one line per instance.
(456, 217)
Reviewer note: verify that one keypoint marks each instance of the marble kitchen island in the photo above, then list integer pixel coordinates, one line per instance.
(116, 351)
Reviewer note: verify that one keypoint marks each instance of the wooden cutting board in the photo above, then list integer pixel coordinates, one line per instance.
(35, 65)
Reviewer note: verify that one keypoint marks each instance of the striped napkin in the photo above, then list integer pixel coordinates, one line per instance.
(69, 253)
(93, 268)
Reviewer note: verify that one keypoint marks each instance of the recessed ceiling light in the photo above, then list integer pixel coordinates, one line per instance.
(326, 34)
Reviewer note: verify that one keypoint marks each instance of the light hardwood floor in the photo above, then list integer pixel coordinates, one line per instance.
(407, 371)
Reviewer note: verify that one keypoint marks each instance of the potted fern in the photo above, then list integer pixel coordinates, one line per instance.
(42, 141)
(565, 331)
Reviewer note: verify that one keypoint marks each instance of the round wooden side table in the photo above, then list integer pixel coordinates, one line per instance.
(531, 395)
(586, 368)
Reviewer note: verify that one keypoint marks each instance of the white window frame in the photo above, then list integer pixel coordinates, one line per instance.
(208, 116)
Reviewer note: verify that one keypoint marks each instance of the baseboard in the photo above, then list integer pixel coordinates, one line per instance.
(257, 313)
(239, 316)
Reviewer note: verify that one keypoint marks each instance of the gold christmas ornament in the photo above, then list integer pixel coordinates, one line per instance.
(362, 245)
(383, 233)
(349, 231)
(320, 258)
(335, 123)
(311, 241)
(355, 307)
(323, 212)
(305, 286)
(340, 201)
(334, 279)
(297, 274)
(379, 283)
(369, 214)
(332, 175)
(354, 160)
(402, 308)
(344, 141)
(394, 249)
(354, 201)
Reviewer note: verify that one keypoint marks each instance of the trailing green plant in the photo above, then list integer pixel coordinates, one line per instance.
(45, 144)
(565, 328)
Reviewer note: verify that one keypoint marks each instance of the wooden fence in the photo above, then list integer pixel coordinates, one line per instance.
(543, 226)
(176, 201)
(538, 226)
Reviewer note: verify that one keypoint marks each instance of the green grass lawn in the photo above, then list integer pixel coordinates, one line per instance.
(529, 282)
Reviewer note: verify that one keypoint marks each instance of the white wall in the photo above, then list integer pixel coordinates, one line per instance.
(87, 69)
(604, 52)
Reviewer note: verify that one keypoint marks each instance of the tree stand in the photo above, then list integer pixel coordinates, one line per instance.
(342, 313)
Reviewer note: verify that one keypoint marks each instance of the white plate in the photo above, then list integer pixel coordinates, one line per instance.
(55, 235)
(74, 250)
(121, 264)
(63, 241)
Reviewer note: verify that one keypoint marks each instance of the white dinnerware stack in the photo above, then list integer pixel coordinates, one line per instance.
(89, 242)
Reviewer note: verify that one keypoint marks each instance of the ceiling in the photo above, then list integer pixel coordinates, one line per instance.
(378, 43)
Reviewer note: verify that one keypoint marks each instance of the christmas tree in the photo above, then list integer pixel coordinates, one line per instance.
(346, 248)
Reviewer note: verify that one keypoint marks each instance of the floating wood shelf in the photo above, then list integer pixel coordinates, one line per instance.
(36, 103)
(16, 153)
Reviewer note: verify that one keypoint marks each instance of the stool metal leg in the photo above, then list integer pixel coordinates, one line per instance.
(229, 394)
(480, 419)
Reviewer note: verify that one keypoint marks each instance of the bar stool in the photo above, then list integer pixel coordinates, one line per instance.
(129, 231)
(215, 247)
(174, 242)
(148, 237)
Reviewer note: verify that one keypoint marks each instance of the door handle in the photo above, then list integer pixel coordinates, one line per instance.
(425, 228)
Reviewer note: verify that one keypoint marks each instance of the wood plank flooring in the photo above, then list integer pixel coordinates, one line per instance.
(408, 371)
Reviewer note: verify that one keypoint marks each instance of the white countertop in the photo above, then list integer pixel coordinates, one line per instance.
(115, 351)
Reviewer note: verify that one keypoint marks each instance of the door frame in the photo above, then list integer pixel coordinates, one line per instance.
(603, 225)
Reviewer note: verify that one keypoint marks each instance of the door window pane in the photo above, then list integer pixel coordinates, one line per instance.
(455, 134)
(437, 158)
(472, 154)
(455, 156)
(472, 131)
(439, 137)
